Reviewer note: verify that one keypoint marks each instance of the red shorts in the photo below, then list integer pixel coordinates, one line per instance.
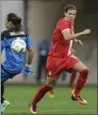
(55, 66)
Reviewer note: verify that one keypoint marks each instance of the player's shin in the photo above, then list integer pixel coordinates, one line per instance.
(79, 86)
(2, 92)
(2, 99)
(40, 94)
(81, 81)
(72, 77)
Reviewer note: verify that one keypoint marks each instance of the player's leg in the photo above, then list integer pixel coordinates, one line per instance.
(51, 93)
(71, 81)
(2, 92)
(41, 92)
(3, 79)
(53, 73)
(83, 70)
(72, 76)
(4, 103)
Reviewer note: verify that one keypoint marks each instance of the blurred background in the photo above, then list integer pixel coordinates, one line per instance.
(40, 18)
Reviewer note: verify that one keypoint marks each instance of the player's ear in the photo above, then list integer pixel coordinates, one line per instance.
(10, 24)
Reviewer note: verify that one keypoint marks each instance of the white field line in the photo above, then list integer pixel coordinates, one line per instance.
(87, 110)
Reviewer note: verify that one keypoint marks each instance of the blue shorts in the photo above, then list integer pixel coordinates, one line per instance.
(5, 75)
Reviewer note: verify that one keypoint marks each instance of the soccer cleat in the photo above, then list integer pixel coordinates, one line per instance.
(79, 99)
(50, 94)
(71, 89)
(32, 108)
(4, 105)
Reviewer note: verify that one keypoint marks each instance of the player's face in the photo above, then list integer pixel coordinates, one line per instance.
(8, 24)
(70, 15)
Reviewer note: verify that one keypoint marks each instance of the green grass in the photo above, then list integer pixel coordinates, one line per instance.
(20, 95)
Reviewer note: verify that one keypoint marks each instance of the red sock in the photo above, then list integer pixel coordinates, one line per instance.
(72, 77)
(40, 94)
(81, 81)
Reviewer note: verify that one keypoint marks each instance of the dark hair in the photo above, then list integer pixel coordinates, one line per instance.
(15, 20)
(69, 7)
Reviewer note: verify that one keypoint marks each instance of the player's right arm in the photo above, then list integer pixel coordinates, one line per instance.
(28, 68)
(30, 50)
(65, 30)
(68, 36)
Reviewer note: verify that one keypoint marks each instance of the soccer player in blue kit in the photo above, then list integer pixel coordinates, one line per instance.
(14, 63)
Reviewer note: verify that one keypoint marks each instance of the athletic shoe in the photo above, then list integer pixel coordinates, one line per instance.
(79, 99)
(4, 105)
(50, 94)
(32, 108)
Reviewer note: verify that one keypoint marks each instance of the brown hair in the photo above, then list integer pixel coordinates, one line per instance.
(69, 7)
(15, 20)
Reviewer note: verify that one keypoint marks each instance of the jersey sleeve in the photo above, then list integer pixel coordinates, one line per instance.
(29, 42)
(63, 25)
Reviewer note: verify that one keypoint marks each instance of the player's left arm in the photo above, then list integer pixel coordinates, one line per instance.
(78, 41)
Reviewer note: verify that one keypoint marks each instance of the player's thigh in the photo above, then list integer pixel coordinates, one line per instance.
(74, 63)
(6, 75)
(54, 67)
(79, 66)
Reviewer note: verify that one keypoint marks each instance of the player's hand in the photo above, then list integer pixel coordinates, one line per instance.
(87, 31)
(27, 71)
(79, 42)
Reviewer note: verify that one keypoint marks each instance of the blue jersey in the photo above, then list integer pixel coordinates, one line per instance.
(14, 62)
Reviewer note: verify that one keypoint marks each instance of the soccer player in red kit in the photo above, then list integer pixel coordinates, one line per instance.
(60, 58)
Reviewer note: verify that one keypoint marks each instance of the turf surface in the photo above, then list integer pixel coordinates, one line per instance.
(20, 95)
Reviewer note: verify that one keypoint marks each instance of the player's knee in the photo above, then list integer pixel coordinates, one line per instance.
(85, 72)
(51, 82)
(50, 85)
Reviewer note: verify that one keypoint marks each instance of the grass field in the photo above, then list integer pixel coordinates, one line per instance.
(20, 95)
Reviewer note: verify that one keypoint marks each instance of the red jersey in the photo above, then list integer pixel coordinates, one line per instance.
(60, 46)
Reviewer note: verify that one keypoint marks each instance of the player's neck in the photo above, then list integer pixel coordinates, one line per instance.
(68, 20)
